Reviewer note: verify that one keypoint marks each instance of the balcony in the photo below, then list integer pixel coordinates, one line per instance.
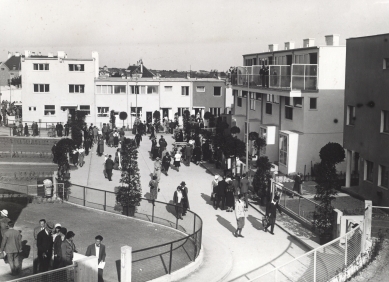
(296, 77)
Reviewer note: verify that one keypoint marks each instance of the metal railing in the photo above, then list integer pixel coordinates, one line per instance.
(380, 221)
(64, 274)
(155, 261)
(12, 190)
(322, 263)
(45, 129)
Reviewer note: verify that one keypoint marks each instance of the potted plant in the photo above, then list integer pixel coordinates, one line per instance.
(326, 189)
(128, 196)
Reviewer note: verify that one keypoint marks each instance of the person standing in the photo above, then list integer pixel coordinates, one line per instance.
(98, 250)
(197, 155)
(240, 216)
(67, 126)
(87, 145)
(26, 130)
(81, 155)
(221, 193)
(153, 184)
(60, 129)
(95, 131)
(157, 168)
(162, 143)
(118, 160)
(109, 167)
(188, 154)
(185, 199)
(100, 147)
(297, 186)
(244, 189)
(177, 160)
(68, 249)
(177, 200)
(4, 222)
(42, 226)
(57, 247)
(166, 162)
(115, 138)
(138, 138)
(214, 190)
(45, 247)
(12, 246)
(230, 195)
(271, 212)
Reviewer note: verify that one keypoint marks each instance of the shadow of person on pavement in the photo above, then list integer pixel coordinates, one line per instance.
(255, 222)
(207, 199)
(224, 222)
(171, 208)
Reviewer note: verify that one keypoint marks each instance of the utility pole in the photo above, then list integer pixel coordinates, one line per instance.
(247, 122)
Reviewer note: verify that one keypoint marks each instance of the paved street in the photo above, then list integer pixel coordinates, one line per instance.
(226, 257)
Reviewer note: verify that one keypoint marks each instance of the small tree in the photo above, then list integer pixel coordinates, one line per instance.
(207, 115)
(77, 126)
(123, 116)
(129, 195)
(326, 188)
(235, 130)
(62, 149)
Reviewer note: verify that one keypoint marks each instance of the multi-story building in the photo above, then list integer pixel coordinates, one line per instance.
(366, 116)
(295, 98)
(10, 68)
(56, 86)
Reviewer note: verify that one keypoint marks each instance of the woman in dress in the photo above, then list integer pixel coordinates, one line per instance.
(177, 160)
(81, 155)
(177, 199)
(115, 139)
(67, 249)
(153, 184)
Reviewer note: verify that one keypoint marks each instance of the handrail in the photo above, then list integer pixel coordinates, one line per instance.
(295, 193)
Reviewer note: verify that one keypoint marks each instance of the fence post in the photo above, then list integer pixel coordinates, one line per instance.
(314, 266)
(105, 200)
(126, 263)
(194, 237)
(299, 205)
(84, 195)
(170, 259)
(152, 214)
(345, 251)
(86, 269)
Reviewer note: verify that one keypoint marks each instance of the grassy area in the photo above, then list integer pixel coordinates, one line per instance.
(86, 224)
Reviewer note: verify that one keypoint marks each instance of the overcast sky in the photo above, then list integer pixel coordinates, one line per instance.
(180, 34)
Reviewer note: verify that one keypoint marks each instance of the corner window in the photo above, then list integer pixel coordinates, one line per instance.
(383, 176)
(102, 111)
(85, 108)
(185, 90)
(313, 103)
(76, 67)
(200, 89)
(385, 121)
(217, 91)
(288, 112)
(41, 88)
(283, 150)
(269, 108)
(49, 110)
(350, 115)
(369, 171)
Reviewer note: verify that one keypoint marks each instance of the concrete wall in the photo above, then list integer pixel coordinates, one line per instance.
(207, 99)
(332, 65)
(173, 99)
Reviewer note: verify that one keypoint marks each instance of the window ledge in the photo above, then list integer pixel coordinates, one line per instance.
(385, 133)
(382, 187)
(350, 125)
(368, 181)
(314, 110)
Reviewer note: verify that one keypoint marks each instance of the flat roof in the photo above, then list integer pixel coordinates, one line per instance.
(162, 79)
(374, 35)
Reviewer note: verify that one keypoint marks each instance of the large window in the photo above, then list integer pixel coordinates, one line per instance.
(134, 89)
(369, 171)
(284, 149)
(269, 108)
(200, 89)
(252, 101)
(288, 112)
(350, 115)
(313, 103)
(41, 88)
(76, 67)
(181, 111)
(215, 111)
(49, 110)
(217, 91)
(383, 176)
(41, 67)
(152, 89)
(76, 88)
(185, 90)
(102, 111)
(85, 108)
(385, 121)
(119, 89)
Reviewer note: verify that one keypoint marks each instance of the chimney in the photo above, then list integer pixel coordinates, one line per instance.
(39, 54)
(32, 53)
(50, 55)
(188, 75)
(27, 53)
(309, 42)
(10, 54)
(289, 45)
(273, 47)
(95, 56)
(332, 40)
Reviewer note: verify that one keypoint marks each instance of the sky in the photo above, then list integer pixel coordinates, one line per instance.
(180, 34)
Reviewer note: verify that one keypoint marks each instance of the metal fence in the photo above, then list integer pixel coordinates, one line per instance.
(155, 261)
(380, 221)
(45, 129)
(65, 274)
(311, 177)
(12, 190)
(320, 264)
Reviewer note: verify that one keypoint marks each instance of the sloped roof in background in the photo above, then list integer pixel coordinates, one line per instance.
(193, 74)
(137, 69)
(14, 61)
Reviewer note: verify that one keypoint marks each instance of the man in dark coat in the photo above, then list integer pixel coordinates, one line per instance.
(109, 167)
(67, 126)
(60, 129)
(271, 211)
(42, 226)
(221, 193)
(162, 143)
(297, 184)
(98, 250)
(138, 138)
(45, 247)
(188, 154)
(166, 160)
(185, 199)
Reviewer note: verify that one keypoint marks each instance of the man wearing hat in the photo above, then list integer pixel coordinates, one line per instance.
(185, 199)
(12, 246)
(4, 222)
(45, 247)
(109, 167)
(98, 250)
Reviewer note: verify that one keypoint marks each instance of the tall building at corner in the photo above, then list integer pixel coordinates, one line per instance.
(366, 120)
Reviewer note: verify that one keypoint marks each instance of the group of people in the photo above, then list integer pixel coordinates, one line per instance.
(20, 130)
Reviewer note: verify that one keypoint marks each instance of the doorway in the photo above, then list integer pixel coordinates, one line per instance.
(149, 117)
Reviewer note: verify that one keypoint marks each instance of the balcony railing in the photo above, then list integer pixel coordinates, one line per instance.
(294, 77)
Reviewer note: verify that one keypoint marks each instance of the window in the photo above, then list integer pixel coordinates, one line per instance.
(313, 103)
(41, 88)
(235, 92)
(385, 121)
(185, 90)
(287, 101)
(383, 176)
(41, 67)
(32, 108)
(283, 149)
(134, 89)
(102, 111)
(137, 110)
(215, 111)
(298, 102)
(119, 89)
(217, 91)
(269, 108)
(239, 102)
(142, 89)
(76, 88)
(288, 112)
(258, 96)
(85, 108)
(152, 89)
(201, 89)
(181, 111)
(252, 101)
(110, 89)
(49, 110)
(168, 88)
(76, 67)
(369, 171)
(350, 115)
(386, 63)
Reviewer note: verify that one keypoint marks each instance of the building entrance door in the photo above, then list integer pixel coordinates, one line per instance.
(149, 117)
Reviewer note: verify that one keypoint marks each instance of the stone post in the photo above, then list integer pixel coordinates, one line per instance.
(126, 264)
(86, 270)
(368, 217)
(337, 221)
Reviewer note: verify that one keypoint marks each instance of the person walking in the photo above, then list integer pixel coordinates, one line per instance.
(153, 184)
(118, 160)
(166, 162)
(111, 139)
(4, 222)
(177, 200)
(68, 249)
(57, 247)
(95, 131)
(138, 138)
(116, 138)
(162, 143)
(88, 145)
(98, 250)
(81, 155)
(197, 155)
(214, 187)
(157, 168)
(45, 247)
(271, 212)
(185, 194)
(109, 167)
(221, 193)
(177, 160)
(155, 152)
(240, 216)
(12, 246)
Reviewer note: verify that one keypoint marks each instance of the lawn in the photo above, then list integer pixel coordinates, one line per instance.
(86, 224)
